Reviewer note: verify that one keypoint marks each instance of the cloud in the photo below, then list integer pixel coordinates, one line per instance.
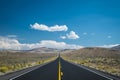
(60, 45)
(63, 37)
(109, 46)
(8, 43)
(72, 35)
(54, 28)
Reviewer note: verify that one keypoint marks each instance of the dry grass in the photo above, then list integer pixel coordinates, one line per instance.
(12, 61)
(100, 58)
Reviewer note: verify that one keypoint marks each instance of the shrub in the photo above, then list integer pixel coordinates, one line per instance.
(3, 69)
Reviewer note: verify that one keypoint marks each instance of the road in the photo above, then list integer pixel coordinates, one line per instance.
(70, 71)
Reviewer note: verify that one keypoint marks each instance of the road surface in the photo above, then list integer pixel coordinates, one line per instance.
(67, 70)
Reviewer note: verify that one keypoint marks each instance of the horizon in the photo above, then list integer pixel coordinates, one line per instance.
(64, 24)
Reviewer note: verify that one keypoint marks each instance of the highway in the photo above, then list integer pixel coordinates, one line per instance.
(61, 70)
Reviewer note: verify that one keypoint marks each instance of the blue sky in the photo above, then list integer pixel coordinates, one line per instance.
(88, 22)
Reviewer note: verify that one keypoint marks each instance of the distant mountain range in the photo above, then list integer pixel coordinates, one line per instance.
(49, 50)
(41, 50)
(96, 52)
(116, 47)
(53, 50)
(44, 50)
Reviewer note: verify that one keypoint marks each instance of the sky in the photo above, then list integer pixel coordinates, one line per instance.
(27, 24)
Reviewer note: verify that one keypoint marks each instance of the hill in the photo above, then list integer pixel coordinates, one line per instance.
(44, 50)
(103, 59)
(41, 50)
(13, 60)
(116, 47)
(97, 52)
(35, 50)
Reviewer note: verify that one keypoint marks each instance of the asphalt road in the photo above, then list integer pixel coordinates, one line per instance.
(46, 72)
(73, 72)
(70, 72)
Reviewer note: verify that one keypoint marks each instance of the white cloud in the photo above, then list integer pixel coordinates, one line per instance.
(72, 35)
(63, 37)
(8, 43)
(43, 27)
(59, 45)
(109, 46)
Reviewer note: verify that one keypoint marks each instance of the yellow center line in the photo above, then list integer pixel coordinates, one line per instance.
(59, 71)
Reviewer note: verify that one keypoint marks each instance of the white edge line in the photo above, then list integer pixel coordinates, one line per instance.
(90, 70)
(23, 74)
(29, 71)
(96, 73)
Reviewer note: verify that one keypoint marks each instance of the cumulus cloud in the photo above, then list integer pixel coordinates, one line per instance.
(60, 45)
(54, 28)
(109, 46)
(8, 43)
(72, 35)
(63, 37)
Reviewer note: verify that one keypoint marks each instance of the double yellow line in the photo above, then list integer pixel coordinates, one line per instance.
(60, 74)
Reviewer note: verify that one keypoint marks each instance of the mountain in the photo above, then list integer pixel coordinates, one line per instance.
(116, 47)
(35, 50)
(96, 52)
(50, 50)
(103, 59)
(44, 50)
(41, 50)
